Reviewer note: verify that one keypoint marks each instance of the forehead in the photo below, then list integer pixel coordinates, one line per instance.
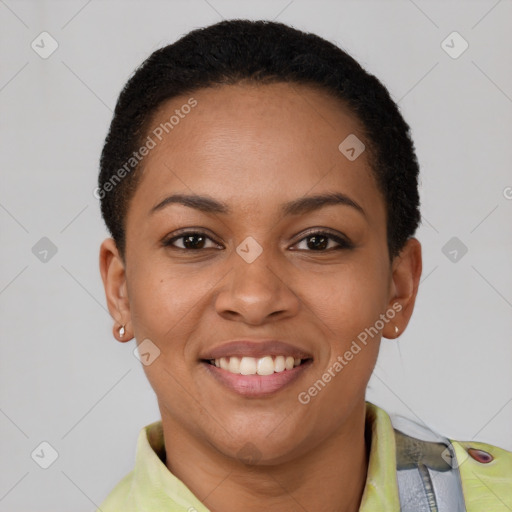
(255, 146)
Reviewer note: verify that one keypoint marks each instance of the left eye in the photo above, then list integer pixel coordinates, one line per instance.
(319, 241)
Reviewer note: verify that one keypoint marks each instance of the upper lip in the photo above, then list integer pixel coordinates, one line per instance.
(241, 348)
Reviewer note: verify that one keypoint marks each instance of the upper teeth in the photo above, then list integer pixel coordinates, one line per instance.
(256, 366)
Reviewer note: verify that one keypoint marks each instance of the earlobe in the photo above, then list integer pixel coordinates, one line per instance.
(120, 334)
(113, 275)
(406, 273)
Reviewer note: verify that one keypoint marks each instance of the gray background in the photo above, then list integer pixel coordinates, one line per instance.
(66, 381)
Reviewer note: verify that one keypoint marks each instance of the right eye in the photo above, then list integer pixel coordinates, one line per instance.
(190, 240)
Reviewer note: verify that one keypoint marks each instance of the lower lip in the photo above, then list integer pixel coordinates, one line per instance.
(256, 385)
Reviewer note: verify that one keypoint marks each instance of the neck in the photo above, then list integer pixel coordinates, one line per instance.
(329, 477)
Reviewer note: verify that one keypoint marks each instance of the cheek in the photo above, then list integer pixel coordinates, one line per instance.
(161, 302)
(164, 309)
(347, 300)
(170, 306)
(347, 305)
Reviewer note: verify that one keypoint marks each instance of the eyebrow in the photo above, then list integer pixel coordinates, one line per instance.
(299, 206)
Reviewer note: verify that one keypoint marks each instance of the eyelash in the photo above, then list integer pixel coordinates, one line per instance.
(342, 243)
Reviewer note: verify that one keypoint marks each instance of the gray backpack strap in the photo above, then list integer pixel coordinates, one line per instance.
(427, 473)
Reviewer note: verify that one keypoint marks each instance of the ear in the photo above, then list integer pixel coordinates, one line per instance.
(114, 281)
(406, 272)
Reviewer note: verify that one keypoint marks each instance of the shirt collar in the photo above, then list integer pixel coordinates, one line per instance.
(155, 487)
(381, 489)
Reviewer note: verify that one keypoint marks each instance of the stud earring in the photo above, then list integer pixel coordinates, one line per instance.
(121, 331)
(397, 330)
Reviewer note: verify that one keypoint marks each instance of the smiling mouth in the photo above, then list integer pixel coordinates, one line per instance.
(266, 365)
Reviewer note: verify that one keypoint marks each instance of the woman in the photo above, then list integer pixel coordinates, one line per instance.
(261, 190)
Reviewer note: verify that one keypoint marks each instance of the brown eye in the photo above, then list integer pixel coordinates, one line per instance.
(319, 242)
(190, 241)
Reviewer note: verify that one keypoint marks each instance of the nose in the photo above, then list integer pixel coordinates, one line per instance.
(256, 292)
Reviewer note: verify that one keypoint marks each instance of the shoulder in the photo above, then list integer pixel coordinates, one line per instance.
(462, 475)
(120, 498)
(486, 475)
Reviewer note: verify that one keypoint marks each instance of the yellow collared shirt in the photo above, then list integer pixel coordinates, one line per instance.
(151, 487)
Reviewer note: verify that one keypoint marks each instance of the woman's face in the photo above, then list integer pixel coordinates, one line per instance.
(258, 259)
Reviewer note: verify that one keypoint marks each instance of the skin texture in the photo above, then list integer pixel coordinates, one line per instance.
(254, 148)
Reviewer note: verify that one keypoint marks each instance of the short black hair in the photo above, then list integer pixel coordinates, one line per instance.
(235, 51)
